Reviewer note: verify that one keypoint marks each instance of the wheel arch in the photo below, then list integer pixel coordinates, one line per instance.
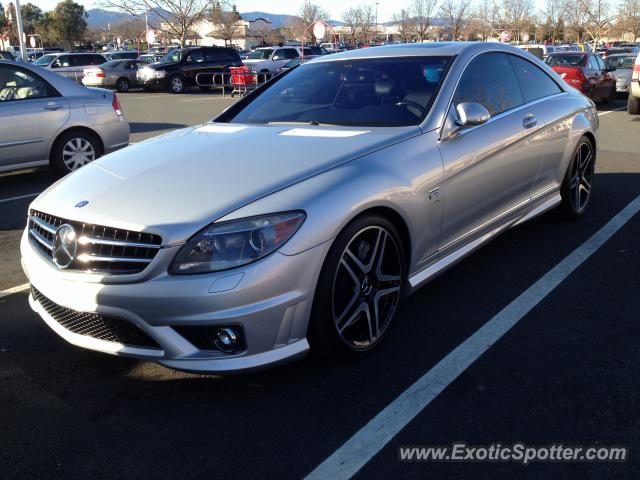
(77, 128)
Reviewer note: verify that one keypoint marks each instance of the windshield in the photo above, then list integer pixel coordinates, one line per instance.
(388, 92)
(173, 56)
(45, 60)
(620, 62)
(260, 54)
(564, 60)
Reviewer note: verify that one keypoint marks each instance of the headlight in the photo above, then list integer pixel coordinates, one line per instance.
(160, 73)
(237, 242)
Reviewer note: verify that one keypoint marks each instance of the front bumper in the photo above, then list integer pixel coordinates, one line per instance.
(269, 300)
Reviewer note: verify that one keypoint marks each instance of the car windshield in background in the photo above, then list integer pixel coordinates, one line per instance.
(173, 57)
(45, 60)
(388, 92)
(620, 62)
(564, 60)
(260, 54)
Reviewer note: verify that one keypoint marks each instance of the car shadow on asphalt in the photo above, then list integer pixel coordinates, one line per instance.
(146, 127)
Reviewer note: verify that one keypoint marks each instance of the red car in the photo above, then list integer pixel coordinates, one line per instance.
(585, 72)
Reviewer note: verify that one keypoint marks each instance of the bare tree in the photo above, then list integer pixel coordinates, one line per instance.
(366, 27)
(227, 24)
(351, 20)
(178, 16)
(517, 14)
(404, 24)
(554, 14)
(600, 21)
(262, 30)
(454, 14)
(422, 12)
(630, 18)
(577, 18)
(309, 13)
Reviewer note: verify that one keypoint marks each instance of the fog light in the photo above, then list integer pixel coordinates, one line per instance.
(225, 340)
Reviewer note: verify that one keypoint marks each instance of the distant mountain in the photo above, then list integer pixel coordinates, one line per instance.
(100, 18)
(280, 20)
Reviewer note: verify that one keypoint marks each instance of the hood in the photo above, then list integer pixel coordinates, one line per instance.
(156, 65)
(177, 183)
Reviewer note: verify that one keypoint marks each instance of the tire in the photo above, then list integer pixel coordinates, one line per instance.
(176, 84)
(364, 269)
(578, 181)
(122, 85)
(633, 105)
(73, 150)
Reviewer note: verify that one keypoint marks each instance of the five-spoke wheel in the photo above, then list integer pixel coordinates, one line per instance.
(360, 287)
(576, 189)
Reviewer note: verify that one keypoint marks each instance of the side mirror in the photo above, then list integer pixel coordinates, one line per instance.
(471, 114)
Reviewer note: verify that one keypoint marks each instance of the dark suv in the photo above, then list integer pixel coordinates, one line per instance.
(179, 68)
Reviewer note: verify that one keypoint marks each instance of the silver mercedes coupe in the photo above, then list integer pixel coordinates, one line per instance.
(300, 217)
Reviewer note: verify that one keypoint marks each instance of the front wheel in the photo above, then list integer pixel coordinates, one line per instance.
(359, 289)
(122, 85)
(578, 181)
(176, 85)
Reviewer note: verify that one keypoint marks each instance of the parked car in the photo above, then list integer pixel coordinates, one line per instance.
(270, 59)
(585, 72)
(295, 62)
(540, 50)
(414, 156)
(616, 51)
(69, 65)
(118, 74)
(623, 65)
(123, 55)
(6, 55)
(633, 100)
(51, 120)
(179, 68)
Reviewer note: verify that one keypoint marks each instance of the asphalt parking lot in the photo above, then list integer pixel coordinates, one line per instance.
(565, 373)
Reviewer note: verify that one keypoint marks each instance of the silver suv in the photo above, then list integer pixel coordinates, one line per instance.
(70, 65)
(270, 59)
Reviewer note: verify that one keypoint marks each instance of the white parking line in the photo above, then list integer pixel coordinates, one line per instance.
(609, 111)
(360, 448)
(4, 200)
(11, 291)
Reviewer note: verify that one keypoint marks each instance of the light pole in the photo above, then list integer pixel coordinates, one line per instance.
(23, 47)
(376, 21)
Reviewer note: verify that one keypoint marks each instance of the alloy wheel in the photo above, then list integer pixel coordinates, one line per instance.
(78, 152)
(366, 288)
(581, 177)
(176, 85)
(122, 85)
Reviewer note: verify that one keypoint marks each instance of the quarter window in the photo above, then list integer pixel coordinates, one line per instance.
(534, 83)
(490, 81)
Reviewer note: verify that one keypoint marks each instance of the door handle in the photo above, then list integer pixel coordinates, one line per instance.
(53, 106)
(529, 121)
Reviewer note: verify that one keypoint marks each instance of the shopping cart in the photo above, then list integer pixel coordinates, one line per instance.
(243, 80)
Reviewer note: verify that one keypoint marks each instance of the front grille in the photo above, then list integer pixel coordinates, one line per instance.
(100, 249)
(95, 325)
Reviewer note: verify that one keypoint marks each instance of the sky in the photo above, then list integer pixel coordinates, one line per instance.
(386, 8)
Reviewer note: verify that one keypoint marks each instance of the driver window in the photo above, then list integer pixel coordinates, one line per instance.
(195, 57)
(17, 84)
(490, 80)
(279, 54)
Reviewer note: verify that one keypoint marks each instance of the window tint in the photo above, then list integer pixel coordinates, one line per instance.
(279, 54)
(534, 83)
(195, 57)
(601, 65)
(384, 92)
(290, 54)
(63, 61)
(490, 81)
(593, 64)
(19, 84)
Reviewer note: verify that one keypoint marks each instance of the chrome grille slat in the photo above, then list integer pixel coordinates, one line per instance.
(101, 249)
(40, 239)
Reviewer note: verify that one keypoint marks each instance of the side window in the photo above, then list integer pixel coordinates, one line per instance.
(18, 84)
(534, 83)
(195, 57)
(593, 63)
(490, 81)
(601, 65)
(291, 53)
(279, 54)
(62, 61)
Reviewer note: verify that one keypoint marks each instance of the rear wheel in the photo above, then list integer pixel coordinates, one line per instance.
(633, 105)
(359, 289)
(73, 150)
(122, 85)
(578, 181)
